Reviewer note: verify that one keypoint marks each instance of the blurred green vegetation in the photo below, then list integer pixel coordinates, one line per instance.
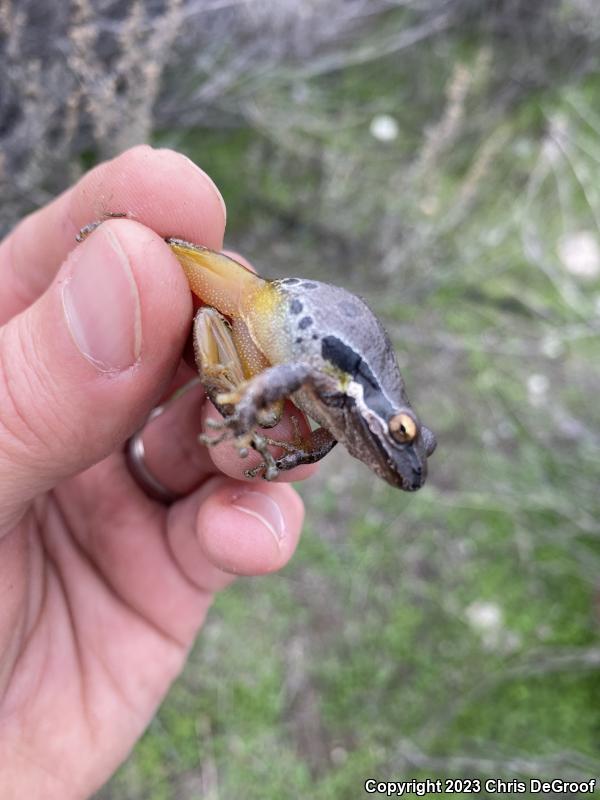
(454, 632)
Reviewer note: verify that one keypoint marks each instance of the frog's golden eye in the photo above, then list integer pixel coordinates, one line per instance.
(403, 427)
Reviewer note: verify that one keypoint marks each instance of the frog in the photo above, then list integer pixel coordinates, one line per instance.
(258, 342)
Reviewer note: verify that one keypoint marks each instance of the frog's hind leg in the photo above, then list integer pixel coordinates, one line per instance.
(224, 363)
(300, 452)
(217, 358)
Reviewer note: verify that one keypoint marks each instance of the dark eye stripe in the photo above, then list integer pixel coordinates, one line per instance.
(345, 358)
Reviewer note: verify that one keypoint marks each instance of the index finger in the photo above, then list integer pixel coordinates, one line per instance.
(162, 189)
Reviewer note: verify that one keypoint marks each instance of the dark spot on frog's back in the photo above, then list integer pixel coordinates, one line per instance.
(290, 281)
(309, 285)
(296, 306)
(305, 322)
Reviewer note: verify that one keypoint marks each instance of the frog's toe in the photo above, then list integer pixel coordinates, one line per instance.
(269, 471)
(244, 443)
(217, 424)
(210, 441)
(229, 398)
(268, 466)
(230, 425)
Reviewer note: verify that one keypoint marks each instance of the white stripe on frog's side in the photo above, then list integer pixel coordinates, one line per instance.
(378, 426)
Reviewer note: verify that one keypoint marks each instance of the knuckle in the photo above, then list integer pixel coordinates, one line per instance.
(21, 275)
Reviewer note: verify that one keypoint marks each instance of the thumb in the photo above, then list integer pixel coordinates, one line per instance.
(82, 366)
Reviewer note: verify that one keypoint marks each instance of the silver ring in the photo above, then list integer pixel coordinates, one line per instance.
(135, 454)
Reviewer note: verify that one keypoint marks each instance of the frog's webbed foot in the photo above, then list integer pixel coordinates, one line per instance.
(257, 441)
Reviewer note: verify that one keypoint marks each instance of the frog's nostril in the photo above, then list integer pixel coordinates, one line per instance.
(418, 477)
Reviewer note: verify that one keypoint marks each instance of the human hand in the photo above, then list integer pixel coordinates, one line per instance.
(102, 589)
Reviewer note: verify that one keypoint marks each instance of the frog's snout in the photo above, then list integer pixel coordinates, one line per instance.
(407, 465)
(419, 470)
(415, 471)
(419, 474)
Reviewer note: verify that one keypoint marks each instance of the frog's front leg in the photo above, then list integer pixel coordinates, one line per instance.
(268, 387)
(248, 402)
(260, 392)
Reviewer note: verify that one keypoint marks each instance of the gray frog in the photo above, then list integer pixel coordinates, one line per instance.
(258, 342)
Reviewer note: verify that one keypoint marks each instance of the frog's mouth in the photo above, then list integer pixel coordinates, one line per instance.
(404, 466)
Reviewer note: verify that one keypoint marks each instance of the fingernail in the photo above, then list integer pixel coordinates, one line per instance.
(212, 183)
(263, 508)
(102, 304)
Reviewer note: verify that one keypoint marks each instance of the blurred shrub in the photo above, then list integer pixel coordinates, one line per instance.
(83, 79)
